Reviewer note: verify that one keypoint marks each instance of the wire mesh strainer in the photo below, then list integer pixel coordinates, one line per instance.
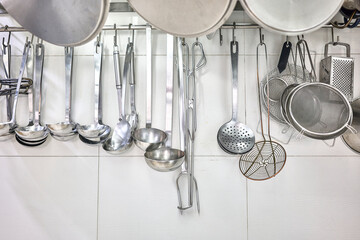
(319, 111)
(267, 157)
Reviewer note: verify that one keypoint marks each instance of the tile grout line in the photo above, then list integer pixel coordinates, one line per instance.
(98, 194)
(247, 210)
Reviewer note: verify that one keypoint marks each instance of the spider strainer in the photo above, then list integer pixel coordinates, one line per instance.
(267, 158)
(319, 111)
(235, 137)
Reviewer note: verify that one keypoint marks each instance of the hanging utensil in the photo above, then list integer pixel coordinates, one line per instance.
(149, 138)
(182, 18)
(300, 16)
(319, 111)
(97, 132)
(66, 130)
(114, 144)
(338, 71)
(235, 137)
(187, 170)
(36, 133)
(267, 158)
(7, 127)
(65, 23)
(167, 159)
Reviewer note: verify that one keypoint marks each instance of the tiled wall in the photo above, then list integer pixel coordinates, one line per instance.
(71, 191)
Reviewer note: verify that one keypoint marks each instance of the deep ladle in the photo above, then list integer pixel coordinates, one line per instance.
(167, 159)
(36, 132)
(149, 138)
(66, 130)
(97, 132)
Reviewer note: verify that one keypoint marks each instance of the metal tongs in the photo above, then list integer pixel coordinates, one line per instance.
(187, 169)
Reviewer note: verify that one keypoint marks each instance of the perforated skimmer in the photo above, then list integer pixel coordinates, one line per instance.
(235, 137)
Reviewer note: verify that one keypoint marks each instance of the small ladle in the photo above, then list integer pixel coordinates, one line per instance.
(167, 159)
(35, 132)
(66, 130)
(149, 138)
(97, 132)
(114, 144)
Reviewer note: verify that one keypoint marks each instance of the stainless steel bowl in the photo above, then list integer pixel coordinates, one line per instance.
(149, 139)
(165, 159)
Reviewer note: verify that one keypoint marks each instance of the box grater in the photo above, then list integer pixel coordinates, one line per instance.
(338, 71)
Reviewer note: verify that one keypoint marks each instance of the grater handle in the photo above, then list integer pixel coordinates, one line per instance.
(347, 46)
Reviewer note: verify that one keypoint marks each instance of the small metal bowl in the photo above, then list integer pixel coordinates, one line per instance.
(165, 159)
(149, 139)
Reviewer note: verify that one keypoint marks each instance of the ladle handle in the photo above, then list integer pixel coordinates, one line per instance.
(98, 66)
(182, 115)
(39, 64)
(169, 87)
(30, 72)
(127, 68)
(234, 49)
(69, 56)
(132, 83)
(22, 69)
(117, 77)
(148, 76)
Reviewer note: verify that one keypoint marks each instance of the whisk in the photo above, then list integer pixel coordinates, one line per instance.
(267, 158)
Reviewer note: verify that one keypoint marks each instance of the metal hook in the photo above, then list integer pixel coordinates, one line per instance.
(233, 32)
(287, 41)
(115, 37)
(333, 38)
(132, 34)
(221, 37)
(8, 40)
(261, 37)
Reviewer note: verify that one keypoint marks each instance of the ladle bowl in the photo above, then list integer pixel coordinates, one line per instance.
(29, 143)
(165, 159)
(32, 133)
(93, 133)
(113, 145)
(93, 130)
(149, 139)
(63, 131)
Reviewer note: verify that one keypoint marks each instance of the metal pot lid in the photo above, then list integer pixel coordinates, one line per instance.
(291, 17)
(64, 23)
(187, 18)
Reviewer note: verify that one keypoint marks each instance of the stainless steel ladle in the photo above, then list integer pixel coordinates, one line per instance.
(7, 127)
(149, 138)
(167, 159)
(36, 132)
(97, 132)
(66, 130)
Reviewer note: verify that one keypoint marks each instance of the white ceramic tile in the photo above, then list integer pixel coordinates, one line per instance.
(312, 198)
(133, 197)
(48, 198)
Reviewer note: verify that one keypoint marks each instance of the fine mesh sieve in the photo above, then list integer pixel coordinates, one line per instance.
(278, 82)
(319, 111)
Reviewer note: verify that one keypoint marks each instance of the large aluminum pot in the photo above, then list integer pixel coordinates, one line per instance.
(186, 18)
(291, 17)
(65, 22)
